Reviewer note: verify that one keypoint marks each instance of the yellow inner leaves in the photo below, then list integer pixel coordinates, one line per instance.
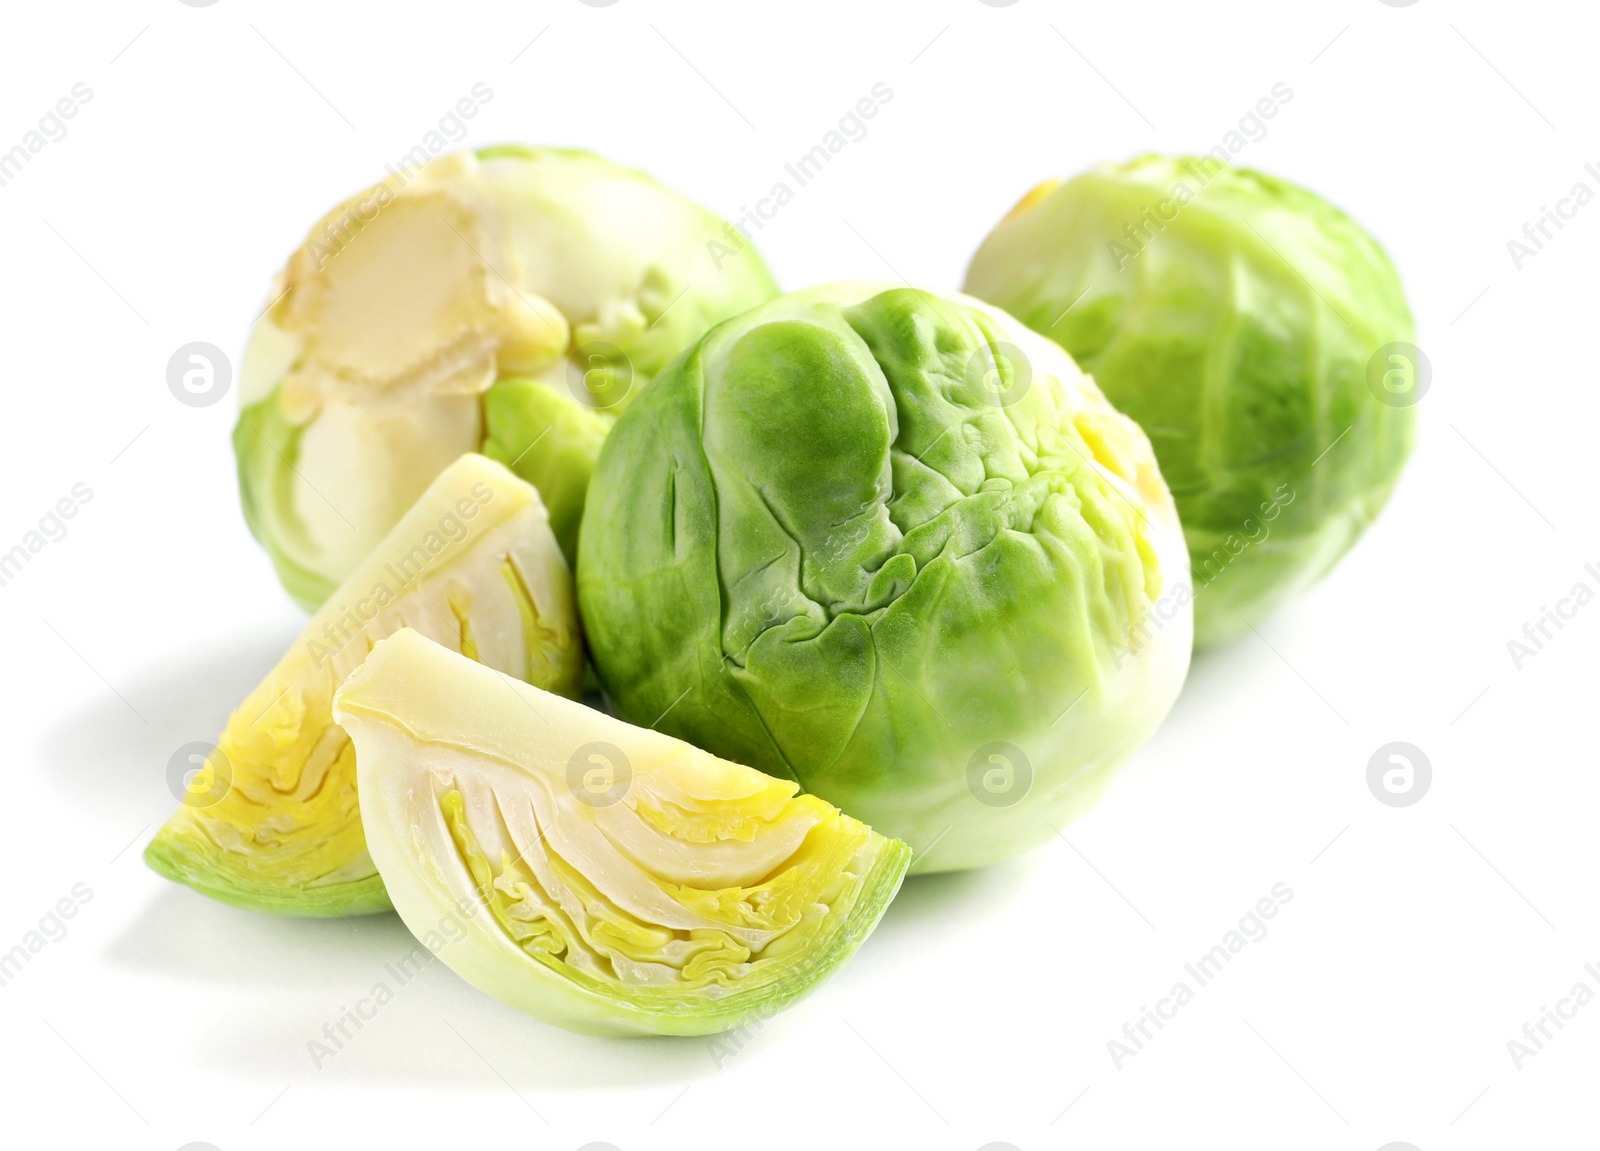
(606, 945)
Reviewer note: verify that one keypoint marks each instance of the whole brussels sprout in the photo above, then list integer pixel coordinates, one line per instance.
(1255, 332)
(895, 546)
(509, 301)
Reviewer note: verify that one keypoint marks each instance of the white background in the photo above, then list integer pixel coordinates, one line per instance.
(1418, 940)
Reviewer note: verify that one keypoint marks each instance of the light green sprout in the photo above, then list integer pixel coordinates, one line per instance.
(896, 547)
(510, 301)
(1258, 335)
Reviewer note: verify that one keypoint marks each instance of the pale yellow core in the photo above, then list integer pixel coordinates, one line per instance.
(408, 290)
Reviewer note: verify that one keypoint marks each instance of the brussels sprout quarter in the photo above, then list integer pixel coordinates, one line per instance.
(509, 301)
(602, 877)
(895, 546)
(1257, 334)
(271, 820)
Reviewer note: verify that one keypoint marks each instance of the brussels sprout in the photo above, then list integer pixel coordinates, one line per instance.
(1253, 330)
(271, 820)
(599, 876)
(509, 301)
(895, 546)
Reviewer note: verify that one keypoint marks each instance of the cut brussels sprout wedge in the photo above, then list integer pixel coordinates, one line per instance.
(271, 820)
(600, 876)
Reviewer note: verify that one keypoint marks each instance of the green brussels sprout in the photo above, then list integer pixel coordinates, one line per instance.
(602, 877)
(897, 547)
(1254, 331)
(509, 301)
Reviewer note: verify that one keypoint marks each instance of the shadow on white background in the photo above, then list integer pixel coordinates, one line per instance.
(114, 766)
(265, 995)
